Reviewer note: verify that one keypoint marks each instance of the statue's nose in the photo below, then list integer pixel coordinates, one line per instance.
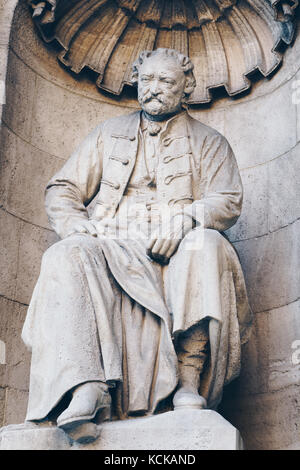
(155, 88)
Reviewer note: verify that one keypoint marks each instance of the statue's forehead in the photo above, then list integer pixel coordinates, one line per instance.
(159, 63)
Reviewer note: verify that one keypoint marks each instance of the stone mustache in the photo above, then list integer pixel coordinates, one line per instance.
(142, 305)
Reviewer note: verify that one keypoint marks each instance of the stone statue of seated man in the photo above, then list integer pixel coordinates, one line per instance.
(142, 305)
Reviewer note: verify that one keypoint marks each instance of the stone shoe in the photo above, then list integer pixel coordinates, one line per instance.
(185, 398)
(89, 400)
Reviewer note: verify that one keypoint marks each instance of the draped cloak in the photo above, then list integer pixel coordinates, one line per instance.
(101, 309)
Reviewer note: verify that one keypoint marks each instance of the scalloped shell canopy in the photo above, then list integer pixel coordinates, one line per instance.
(226, 39)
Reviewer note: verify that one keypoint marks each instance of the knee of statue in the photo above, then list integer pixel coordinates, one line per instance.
(202, 239)
(61, 251)
(212, 239)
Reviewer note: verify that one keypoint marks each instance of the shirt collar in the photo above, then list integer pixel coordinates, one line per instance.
(164, 124)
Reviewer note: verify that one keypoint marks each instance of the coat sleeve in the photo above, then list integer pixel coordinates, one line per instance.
(75, 185)
(221, 188)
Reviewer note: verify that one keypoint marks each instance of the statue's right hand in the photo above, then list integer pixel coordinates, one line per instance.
(84, 226)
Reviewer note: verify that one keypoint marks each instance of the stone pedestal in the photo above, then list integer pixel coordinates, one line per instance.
(174, 430)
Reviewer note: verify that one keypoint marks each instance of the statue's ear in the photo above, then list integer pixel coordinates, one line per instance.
(189, 89)
(190, 84)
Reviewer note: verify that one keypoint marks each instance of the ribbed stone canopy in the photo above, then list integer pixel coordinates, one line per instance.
(227, 40)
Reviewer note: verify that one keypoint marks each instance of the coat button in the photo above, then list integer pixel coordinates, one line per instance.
(117, 186)
(125, 162)
(132, 138)
(166, 141)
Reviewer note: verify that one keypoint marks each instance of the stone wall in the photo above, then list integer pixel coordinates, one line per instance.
(48, 112)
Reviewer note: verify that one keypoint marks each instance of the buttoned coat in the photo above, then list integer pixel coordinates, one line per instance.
(195, 165)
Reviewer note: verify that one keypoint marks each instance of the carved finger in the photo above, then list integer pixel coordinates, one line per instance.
(151, 244)
(157, 246)
(91, 229)
(173, 248)
(80, 229)
(165, 247)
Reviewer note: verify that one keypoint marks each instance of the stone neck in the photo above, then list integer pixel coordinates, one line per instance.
(162, 119)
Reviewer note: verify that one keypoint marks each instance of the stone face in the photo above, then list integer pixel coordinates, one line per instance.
(175, 430)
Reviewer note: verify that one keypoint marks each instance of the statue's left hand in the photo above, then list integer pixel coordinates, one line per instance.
(164, 243)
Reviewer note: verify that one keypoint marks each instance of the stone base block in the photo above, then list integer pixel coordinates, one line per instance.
(174, 430)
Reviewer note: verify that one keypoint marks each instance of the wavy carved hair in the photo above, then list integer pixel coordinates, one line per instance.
(183, 61)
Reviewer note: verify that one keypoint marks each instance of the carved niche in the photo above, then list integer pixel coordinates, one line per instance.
(227, 40)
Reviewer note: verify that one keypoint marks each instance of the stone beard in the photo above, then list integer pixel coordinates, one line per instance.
(117, 324)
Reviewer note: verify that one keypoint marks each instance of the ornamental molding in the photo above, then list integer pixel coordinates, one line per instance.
(227, 40)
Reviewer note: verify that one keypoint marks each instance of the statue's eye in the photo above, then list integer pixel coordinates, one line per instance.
(169, 81)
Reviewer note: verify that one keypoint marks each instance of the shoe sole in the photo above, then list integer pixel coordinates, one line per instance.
(82, 429)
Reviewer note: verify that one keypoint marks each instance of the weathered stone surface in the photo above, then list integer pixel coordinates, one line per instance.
(22, 247)
(295, 85)
(52, 131)
(274, 203)
(22, 193)
(267, 421)
(284, 190)
(20, 96)
(268, 129)
(15, 406)
(267, 359)
(17, 355)
(253, 221)
(29, 437)
(174, 430)
(33, 243)
(14, 369)
(2, 403)
(271, 269)
(7, 8)
(215, 118)
(9, 252)
(6, 310)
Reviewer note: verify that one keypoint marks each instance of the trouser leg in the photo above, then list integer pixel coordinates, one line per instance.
(192, 351)
(73, 324)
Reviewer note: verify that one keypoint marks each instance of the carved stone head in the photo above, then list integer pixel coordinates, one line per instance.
(165, 81)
